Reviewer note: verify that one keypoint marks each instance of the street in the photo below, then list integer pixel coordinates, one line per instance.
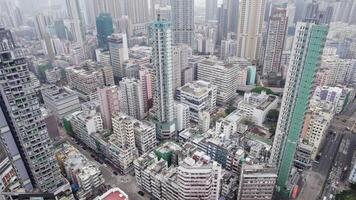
(127, 183)
(338, 147)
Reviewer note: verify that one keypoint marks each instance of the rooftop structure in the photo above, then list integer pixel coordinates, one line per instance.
(60, 101)
(113, 194)
(199, 96)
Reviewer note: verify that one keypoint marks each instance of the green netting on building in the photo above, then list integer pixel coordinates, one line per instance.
(314, 47)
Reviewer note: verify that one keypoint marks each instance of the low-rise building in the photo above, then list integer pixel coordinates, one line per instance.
(53, 75)
(199, 96)
(83, 174)
(60, 101)
(178, 173)
(113, 194)
(89, 76)
(256, 106)
(256, 182)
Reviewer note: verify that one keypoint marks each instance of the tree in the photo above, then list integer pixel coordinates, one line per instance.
(41, 68)
(259, 89)
(272, 115)
(229, 109)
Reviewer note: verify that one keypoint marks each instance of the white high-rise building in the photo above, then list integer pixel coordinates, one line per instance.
(76, 21)
(249, 29)
(160, 36)
(132, 98)
(180, 54)
(182, 115)
(183, 21)
(119, 53)
(338, 68)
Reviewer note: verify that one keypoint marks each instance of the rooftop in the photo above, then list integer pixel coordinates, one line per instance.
(113, 194)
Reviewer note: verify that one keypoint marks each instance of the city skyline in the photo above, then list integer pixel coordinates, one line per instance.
(178, 99)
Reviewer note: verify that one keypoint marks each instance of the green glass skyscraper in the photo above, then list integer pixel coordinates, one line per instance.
(304, 62)
(104, 28)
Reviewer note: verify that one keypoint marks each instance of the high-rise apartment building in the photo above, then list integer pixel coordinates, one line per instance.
(211, 9)
(137, 10)
(109, 104)
(104, 28)
(30, 147)
(93, 8)
(249, 29)
(160, 35)
(180, 54)
(76, 21)
(277, 28)
(337, 67)
(131, 98)
(182, 115)
(119, 53)
(232, 15)
(123, 141)
(304, 62)
(183, 21)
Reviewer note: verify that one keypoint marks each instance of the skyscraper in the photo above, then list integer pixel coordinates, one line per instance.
(304, 62)
(137, 10)
(119, 53)
(249, 29)
(232, 15)
(183, 21)
(75, 21)
(277, 28)
(21, 110)
(211, 9)
(104, 28)
(132, 97)
(160, 35)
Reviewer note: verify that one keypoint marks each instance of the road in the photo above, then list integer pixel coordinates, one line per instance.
(127, 183)
(337, 137)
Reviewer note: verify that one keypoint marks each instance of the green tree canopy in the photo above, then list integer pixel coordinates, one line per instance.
(272, 115)
(259, 89)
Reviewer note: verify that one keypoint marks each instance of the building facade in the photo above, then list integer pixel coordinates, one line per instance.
(297, 92)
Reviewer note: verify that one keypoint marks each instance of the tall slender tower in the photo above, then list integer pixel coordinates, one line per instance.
(76, 21)
(131, 95)
(277, 28)
(183, 21)
(304, 62)
(104, 28)
(211, 9)
(137, 11)
(119, 53)
(160, 37)
(30, 140)
(249, 28)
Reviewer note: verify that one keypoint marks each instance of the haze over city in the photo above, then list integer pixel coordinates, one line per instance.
(177, 99)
